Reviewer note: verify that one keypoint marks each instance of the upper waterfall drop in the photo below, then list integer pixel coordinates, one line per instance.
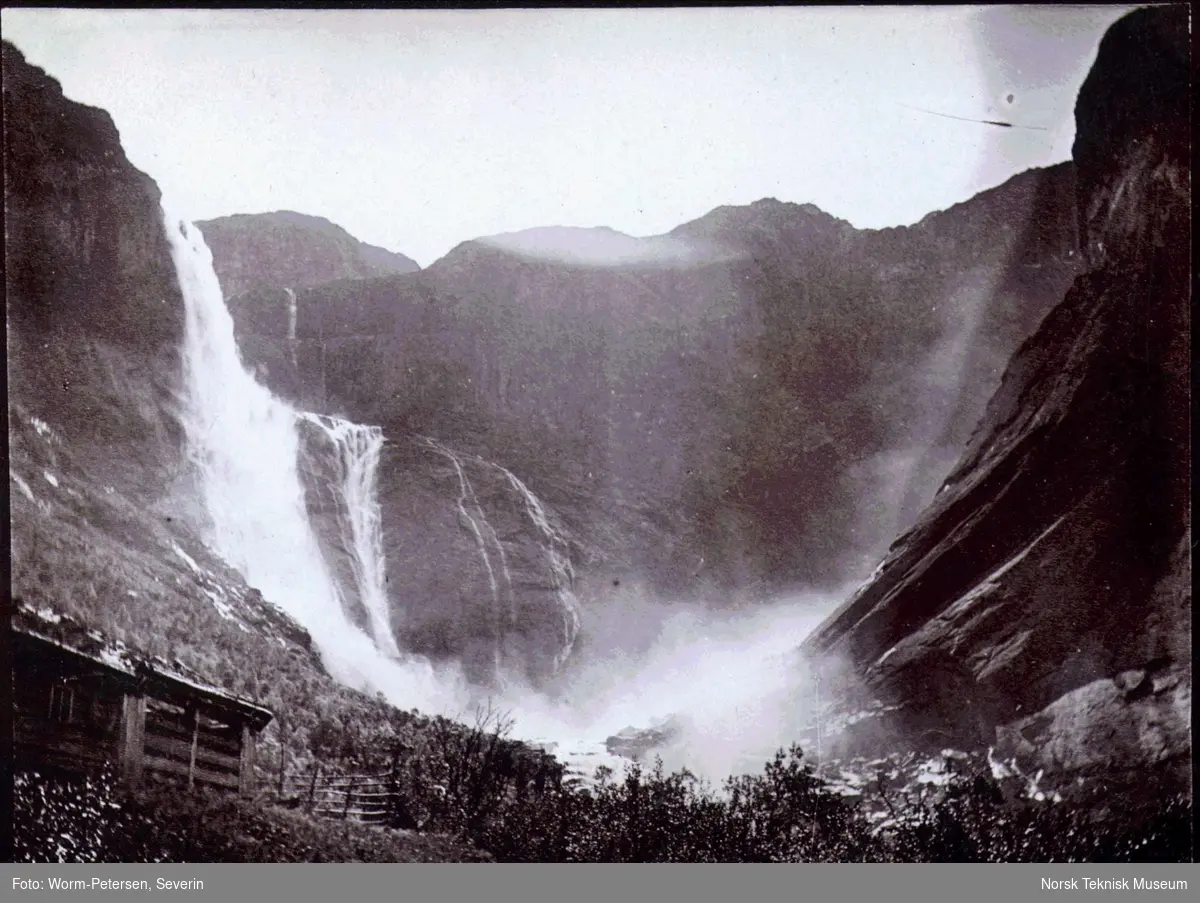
(292, 315)
(245, 445)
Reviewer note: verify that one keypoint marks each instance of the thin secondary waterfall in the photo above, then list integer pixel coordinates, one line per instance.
(291, 295)
(491, 549)
(357, 449)
(245, 445)
(560, 567)
(479, 527)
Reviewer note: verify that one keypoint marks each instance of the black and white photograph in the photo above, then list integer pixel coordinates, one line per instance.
(600, 435)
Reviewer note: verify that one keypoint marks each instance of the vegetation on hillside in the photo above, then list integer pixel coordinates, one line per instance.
(786, 813)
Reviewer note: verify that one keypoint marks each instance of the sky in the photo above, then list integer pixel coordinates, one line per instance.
(418, 130)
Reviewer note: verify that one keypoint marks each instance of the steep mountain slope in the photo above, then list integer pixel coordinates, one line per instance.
(91, 308)
(293, 250)
(1042, 602)
(754, 401)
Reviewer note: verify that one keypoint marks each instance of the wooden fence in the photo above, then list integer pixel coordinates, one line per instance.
(369, 798)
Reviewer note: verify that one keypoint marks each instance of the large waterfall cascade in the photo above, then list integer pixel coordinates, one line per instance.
(245, 445)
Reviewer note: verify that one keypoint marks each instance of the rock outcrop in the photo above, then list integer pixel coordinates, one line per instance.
(252, 251)
(1042, 602)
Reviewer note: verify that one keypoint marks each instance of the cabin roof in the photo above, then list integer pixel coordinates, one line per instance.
(55, 634)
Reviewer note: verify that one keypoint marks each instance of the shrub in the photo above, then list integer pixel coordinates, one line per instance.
(784, 814)
(68, 819)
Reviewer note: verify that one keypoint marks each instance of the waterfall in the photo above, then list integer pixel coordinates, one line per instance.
(245, 445)
(357, 449)
(560, 567)
(291, 295)
(555, 545)
(478, 524)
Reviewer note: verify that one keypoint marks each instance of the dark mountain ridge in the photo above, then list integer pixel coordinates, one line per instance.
(108, 533)
(755, 413)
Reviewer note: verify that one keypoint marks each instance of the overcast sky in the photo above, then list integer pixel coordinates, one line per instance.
(418, 130)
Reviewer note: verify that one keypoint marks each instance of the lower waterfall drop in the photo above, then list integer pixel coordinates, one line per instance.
(358, 449)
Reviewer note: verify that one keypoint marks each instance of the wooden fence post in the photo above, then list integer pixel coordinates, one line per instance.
(522, 778)
(349, 798)
(393, 797)
(282, 760)
(312, 787)
(195, 742)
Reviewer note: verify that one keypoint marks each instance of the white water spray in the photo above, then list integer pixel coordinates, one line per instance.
(245, 445)
(731, 686)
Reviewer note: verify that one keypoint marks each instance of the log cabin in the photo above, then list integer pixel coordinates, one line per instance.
(80, 703)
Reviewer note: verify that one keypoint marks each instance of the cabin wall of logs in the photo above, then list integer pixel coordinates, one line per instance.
(77, 712)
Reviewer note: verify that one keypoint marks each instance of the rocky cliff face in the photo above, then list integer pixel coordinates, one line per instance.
(95, 319)
(1042, 604)
(292, 250)
(509, 601)
(708, 409)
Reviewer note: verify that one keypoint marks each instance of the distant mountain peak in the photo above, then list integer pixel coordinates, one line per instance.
(730, 224)
(297, 250)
